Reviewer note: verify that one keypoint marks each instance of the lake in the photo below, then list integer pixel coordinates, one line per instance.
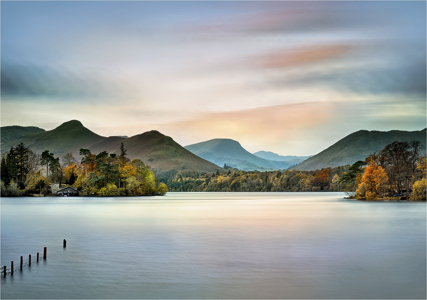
(215, 245)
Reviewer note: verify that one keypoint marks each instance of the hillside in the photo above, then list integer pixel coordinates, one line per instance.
(11, 133)
(357, 146)
(230, 152)
(293, 160)
(68, 137)
(109, 144)
(162, 152)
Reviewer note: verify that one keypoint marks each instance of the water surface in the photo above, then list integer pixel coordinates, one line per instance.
(215, 245)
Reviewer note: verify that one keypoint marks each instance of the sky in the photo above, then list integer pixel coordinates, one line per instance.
(282, 76)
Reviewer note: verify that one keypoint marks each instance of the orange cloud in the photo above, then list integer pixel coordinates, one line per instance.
(302, 56)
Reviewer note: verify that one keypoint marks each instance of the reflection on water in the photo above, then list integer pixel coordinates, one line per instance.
(215, 245)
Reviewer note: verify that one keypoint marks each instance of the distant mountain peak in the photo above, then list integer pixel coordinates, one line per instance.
(154, 133)
(71, 124)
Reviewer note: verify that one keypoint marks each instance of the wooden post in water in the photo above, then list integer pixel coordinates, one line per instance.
(4, 271)
(22, 262)
(37, 257)
(65, 243)
(29, 259)
(11, 268)
(45, 253)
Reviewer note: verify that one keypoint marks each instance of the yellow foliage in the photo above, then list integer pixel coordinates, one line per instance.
(421, 165)
(419, 190)
(162, 189)
(110, 190)
(32, 179)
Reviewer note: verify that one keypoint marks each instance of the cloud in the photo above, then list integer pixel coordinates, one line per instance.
(268, 125)
(404, 76)
(302, 56)
(58, 83)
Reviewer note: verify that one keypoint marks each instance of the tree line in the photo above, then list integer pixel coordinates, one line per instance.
(398, 169)
(24, 173)
(233, 180)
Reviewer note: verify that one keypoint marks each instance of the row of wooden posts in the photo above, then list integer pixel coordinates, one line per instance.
(29, 260)
(22, 262)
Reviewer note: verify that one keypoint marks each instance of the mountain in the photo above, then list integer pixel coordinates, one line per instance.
(153, 148)
(68, 137)
(230, 152)
(162, 152)
(10, 133)
(357, 146)
(293, 160)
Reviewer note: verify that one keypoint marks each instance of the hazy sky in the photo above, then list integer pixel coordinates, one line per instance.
(288, 77)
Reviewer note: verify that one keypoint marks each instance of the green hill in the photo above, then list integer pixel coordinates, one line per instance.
(230, 152)
(162, 152)
(68, 137)
(11, 133)
(357, 146)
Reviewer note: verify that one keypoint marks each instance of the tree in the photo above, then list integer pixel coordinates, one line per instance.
(12, 165)
(33, 161)
(162, 189)
(34, 182)
(56, 170)
(419, 188)
(87, 159)
(68, 159)
(373, 182)
(46, 159)
(123, 151)
(335, 183)
(321, 178)
(399, 161)
(353, 172)
(4, 172)
(22, 161)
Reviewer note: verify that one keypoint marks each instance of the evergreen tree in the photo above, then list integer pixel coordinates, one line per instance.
(123, 151)
(4, 172)
(22, 160)
(12, 166)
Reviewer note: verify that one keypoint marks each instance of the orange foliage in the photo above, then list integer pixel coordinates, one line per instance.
(375, 178)
(321, 178)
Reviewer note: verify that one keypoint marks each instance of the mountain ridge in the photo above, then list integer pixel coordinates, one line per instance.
(230, 152)
(357, 146)
(152, 147)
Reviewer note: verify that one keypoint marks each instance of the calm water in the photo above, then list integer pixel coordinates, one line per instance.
(215, 245)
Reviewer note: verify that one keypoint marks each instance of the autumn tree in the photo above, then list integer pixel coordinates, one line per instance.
(321, 178)
(373, 182)
(419, 187)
